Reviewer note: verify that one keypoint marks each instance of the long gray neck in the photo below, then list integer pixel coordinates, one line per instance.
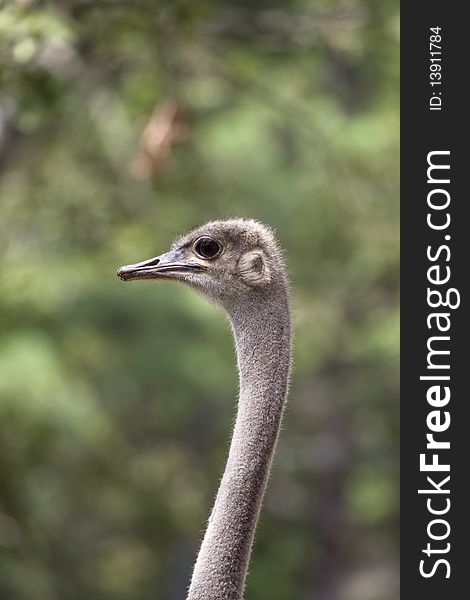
(262, 334)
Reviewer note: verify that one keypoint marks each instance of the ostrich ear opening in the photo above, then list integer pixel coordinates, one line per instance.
(253, 268)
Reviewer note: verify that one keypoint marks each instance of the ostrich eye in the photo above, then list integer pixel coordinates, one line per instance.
(207, 247)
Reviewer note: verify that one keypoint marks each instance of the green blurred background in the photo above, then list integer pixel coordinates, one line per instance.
(122, 125)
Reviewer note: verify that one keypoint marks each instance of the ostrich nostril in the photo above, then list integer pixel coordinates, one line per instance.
(152, 263)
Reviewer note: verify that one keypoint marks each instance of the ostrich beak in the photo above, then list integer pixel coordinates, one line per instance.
(161, 267)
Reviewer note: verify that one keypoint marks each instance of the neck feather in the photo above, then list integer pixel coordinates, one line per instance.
(262, 334)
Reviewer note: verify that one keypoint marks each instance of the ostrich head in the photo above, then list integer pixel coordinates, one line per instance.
(227, 261)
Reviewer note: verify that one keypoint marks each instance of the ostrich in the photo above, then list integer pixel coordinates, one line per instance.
(237, 264)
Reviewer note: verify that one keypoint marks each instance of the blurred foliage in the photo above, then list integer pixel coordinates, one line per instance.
(116, 401)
